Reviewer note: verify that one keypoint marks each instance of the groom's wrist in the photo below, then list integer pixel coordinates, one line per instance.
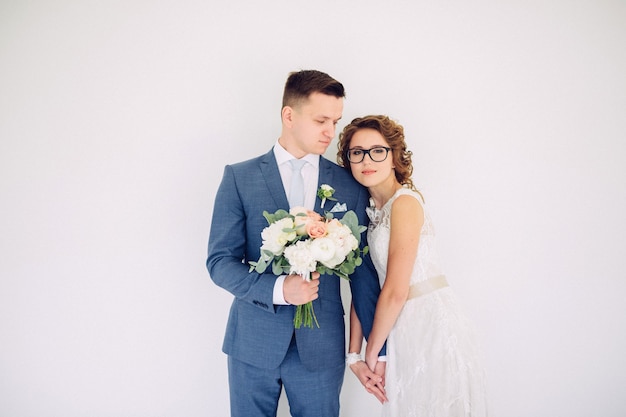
(278, 297)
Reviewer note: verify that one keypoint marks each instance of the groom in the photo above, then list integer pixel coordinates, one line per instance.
(264, 350)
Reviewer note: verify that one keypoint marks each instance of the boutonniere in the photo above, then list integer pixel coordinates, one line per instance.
(325, 192)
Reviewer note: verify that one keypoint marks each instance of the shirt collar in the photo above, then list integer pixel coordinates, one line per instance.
(282, 156)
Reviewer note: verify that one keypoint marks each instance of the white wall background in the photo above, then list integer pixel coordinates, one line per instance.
(116, 119)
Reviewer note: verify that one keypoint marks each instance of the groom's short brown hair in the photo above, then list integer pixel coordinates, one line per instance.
(301, 84)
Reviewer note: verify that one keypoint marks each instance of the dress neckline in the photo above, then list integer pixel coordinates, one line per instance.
(374, 213)
(393, 197)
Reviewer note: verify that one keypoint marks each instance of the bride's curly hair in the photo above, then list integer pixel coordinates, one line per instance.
(394, 136)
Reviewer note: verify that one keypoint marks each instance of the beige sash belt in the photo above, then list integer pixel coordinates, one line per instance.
(428, 286)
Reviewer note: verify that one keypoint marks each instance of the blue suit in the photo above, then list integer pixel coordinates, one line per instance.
(258, 332)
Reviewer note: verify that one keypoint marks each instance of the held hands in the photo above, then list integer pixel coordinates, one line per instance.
(298, 291)
(373, 379)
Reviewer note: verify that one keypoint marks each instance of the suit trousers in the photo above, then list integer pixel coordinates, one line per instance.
(256, 391)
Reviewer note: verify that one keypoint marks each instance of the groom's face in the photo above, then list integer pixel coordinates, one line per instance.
(313, 124)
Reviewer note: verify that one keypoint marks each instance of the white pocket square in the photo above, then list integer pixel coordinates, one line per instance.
(339, 208)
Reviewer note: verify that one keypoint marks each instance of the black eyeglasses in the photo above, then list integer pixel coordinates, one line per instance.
(376, 154)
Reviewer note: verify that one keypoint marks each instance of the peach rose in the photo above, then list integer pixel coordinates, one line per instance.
(302, 217)
(316, 229)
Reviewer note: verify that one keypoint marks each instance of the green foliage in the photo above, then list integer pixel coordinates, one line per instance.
(278, 215)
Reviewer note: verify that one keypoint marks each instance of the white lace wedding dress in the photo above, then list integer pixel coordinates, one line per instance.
(433, 368)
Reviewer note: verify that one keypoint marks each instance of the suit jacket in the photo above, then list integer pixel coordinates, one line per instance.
(259, 332)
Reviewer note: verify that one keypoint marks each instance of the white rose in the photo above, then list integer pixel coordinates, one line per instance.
(300, 258)
(323, 250)
(294, 211)
(275, 238)
(335, 227)
(349, 243)
(343, 238)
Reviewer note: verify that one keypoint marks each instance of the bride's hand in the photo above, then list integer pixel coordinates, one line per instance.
(380, 369)
(373, 383)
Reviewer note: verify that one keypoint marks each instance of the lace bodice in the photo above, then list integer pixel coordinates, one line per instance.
(378, 233)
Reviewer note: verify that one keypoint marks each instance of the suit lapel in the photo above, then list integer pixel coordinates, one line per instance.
(269, 169)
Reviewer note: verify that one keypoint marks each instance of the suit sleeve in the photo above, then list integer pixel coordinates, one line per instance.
(364, 283)
(227, 260)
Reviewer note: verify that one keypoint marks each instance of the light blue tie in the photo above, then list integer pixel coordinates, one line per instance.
(296, 191)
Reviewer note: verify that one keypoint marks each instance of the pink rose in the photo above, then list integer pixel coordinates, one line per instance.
(316, 229)
(302, 217)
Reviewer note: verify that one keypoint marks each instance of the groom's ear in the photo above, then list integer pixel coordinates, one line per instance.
(287, 116)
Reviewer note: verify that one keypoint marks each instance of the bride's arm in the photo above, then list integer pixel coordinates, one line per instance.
(407, 218)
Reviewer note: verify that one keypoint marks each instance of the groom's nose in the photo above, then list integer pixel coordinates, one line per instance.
(329, 129)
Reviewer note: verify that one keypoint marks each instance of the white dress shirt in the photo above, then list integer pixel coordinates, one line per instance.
(310, 175)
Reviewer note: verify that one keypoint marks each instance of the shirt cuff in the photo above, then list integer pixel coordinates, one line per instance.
(278, 291)
(382, 358)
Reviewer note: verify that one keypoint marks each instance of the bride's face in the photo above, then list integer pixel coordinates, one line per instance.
(376, 166)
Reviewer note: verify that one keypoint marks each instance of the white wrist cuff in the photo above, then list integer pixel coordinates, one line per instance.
(352, 358)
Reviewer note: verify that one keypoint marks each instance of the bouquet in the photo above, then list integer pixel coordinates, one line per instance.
(301, 241)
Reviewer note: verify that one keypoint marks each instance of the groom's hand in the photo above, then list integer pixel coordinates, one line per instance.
(298, 291)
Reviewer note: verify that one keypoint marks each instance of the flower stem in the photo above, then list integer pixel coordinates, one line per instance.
(305, 315)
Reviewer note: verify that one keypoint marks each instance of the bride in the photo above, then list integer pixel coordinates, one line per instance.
(432, 367)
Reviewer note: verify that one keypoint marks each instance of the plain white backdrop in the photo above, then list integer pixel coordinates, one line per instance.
(117, 118)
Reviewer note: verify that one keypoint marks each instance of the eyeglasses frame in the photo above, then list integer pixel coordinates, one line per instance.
(367, 152)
